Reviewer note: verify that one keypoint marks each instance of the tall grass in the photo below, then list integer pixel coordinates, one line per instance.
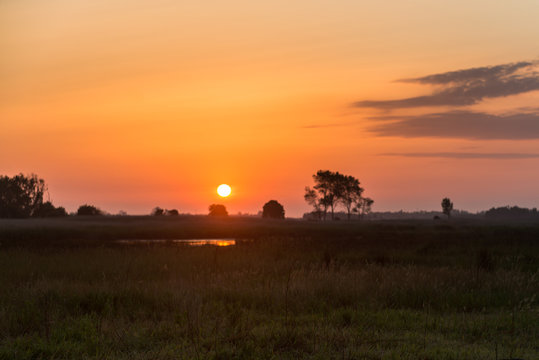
(380, 291)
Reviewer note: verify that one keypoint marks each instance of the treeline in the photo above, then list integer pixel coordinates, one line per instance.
(415, 215)
(21, 196)
(512, 213)
(500, 213)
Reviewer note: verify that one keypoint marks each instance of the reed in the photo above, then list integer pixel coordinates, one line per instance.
(287, 291)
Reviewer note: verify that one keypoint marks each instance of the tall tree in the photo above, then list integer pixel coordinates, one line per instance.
(328, 184)
(350, 192)
(21, 196)
(447, 206)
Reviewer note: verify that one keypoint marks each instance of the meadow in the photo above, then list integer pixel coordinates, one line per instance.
(287, 290)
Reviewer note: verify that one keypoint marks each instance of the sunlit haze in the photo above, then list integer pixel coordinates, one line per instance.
(128, 105)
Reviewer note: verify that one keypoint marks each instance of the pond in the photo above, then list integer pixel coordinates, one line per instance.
(188, 242)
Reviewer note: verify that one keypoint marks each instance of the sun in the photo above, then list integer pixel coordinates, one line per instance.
(224, 190)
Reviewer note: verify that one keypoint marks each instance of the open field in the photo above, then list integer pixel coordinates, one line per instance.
(287, 290)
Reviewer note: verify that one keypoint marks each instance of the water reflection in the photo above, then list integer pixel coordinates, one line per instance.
(216, 242)
(188, 242)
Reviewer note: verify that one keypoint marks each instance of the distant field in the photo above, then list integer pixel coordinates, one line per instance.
(286, 290)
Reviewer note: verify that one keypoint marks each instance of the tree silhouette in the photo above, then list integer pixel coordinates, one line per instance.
(363, 206)
(21, 196)
(328, 186)
(332, 188)
(312, 198)
(157, 211)
(217, 210)
(88, 210)
(447, 207)
(350, 192)
(273, 210)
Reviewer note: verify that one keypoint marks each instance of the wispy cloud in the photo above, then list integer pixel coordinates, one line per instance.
(466, 87)
(466, 155)
(460, 124)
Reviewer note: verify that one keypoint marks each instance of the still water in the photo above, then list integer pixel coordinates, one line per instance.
(188, 242)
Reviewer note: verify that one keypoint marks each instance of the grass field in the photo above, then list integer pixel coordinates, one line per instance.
(287, 290)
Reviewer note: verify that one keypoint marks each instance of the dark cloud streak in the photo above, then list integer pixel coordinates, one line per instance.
(461, 124)
(467, 75)
(466, 155)
(466, 87)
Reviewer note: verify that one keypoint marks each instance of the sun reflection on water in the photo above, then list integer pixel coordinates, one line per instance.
(215, 242)
(188, 242)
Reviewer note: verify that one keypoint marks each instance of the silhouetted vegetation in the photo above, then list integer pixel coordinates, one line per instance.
(217, 210)
(47, 209)
(88, 210)
(273, 210)
(332, 188)
(312, 198)
(21, 196)
(348, 192)
(447, 206)
(326, 190)
(363, 207)
(422, 215)
(157, 211)
(512, 213)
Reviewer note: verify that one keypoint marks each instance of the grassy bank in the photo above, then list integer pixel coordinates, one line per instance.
(286, 290)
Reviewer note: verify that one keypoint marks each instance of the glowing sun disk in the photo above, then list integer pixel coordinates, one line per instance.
(224, 190)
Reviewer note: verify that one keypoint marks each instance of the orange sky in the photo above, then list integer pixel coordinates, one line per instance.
(129, 105)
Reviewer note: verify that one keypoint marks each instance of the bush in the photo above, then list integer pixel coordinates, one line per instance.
(88, 210)
(172, 212)
(49, 210)
(217, 210)
(273, 210)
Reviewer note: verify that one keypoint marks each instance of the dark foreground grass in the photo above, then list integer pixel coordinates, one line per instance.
(286, 291)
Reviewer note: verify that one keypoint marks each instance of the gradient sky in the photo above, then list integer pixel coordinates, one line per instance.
(128, 105)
